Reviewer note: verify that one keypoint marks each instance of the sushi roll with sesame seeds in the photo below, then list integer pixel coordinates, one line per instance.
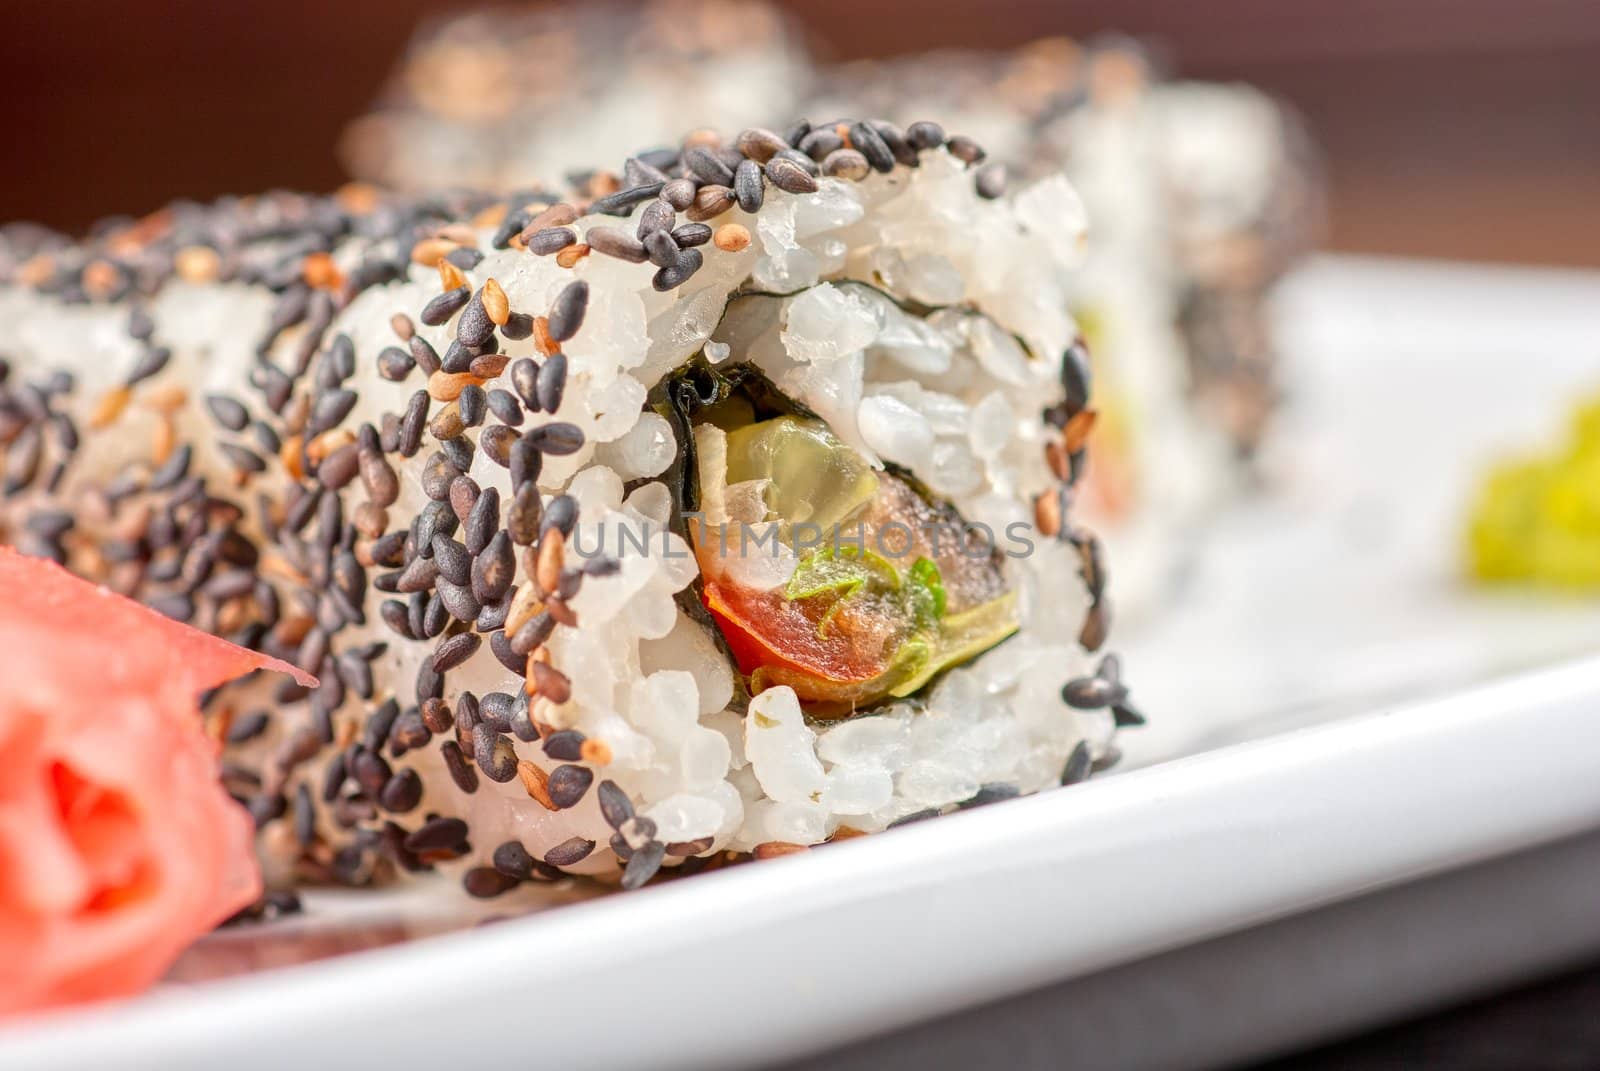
(715, 517)
(505, 97)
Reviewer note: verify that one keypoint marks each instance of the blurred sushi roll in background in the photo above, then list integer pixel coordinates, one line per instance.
(1201, 197)
(713, 507)
(509, 97)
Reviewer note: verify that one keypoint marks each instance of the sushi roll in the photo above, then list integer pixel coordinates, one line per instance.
(719, 514)
(506, 97)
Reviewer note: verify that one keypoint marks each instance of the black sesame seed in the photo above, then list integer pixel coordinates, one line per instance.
(707, 166)
(426, 356)
(602, 566)
(1075, 376)
(691, 234)
(436, 716)
(569, 852)
(437, 475)
(992, 793)
(915, 816)
(458, 451)
(173, 470)
(339, 467)
(413, 423)
(513, 860)
(500, 647)
(561, 512)
(492, 616)
(150, 362)
(242, 458)
(820, 144)
(494, 753)
(622, 202)
(524, 380)
(333, 778)
(496, 710)
(1079, 765)
(615, 806)
(556, 439)
(140, 326)
(568, 784)
(401, 792)
(445, 305)
(227, 411)
(846, 164)
(461, 771)
(551, 383)
(566, 313)
(895, 138)
(759, 144)
(965, 149)
(616, 243)
(637, 171)
(925, 135)
(518, 326)
(395, 364)
(329, 410)
(370, 771)
(509, 228)
(679, 193)
(524, 515)
(454, 563)
(494, 569)
(472, 405)
(305, 816)
(248, 727)
(688, 262)
(661, 249)
(474, 328)
(869, 143)
(551, 240)
(408, 734)
(464, 257)
(532, 633)
(526, 461)
(266, 808)
(396, 615)
(1092, 693)
(747, 186)
(457, 358)
(565, 745)
(1125, 716)
(454, 650)
(485, 883)
(430, 685)
(991, 181)
(437, 834)
(459, 601)
(505, 407)
(643, 864)
(497, 441)
(483, 520)
(657, 216)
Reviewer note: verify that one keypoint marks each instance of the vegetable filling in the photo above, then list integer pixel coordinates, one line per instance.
(848, 584)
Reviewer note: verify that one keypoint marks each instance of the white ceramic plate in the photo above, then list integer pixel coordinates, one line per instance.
(1279, 772)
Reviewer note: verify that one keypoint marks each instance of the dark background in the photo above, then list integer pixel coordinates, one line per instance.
(1453, 128)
